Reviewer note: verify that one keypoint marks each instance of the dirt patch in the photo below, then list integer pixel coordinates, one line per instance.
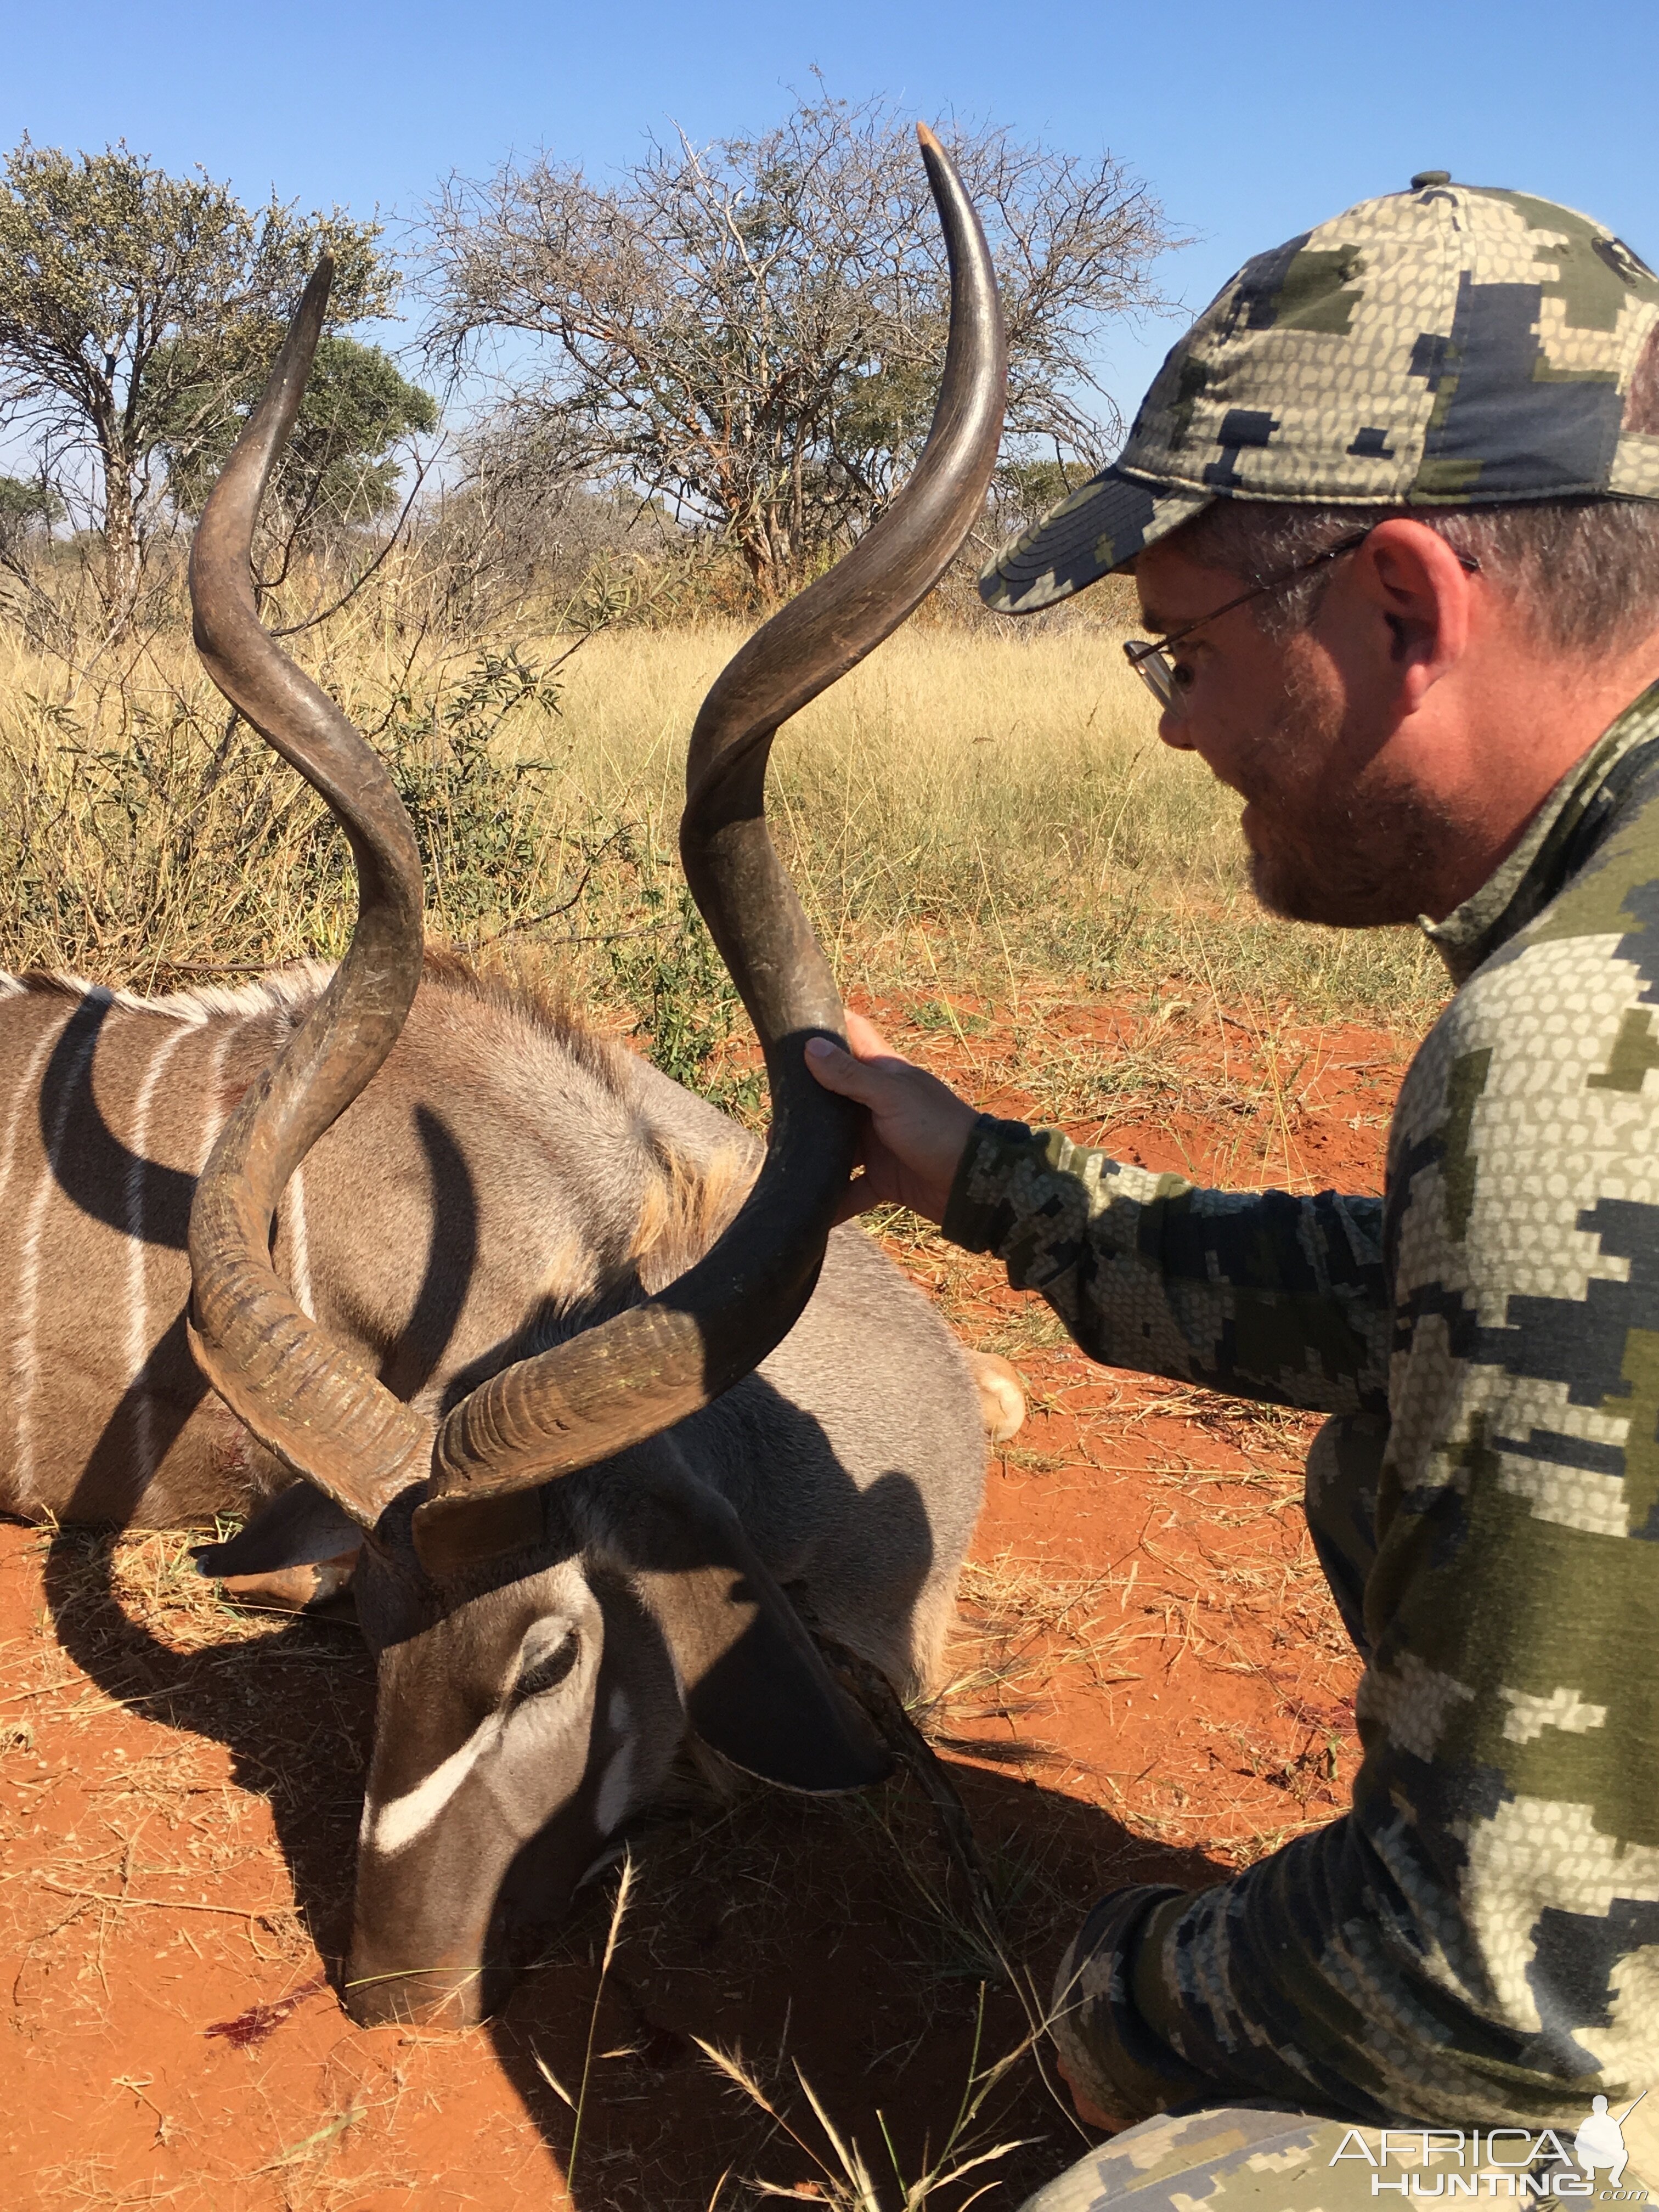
(1149, 1682)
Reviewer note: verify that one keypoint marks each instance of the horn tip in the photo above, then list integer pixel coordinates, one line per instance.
(321, 278)
(929, 142)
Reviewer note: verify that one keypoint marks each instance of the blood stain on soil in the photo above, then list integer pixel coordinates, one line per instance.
(1150, 1682)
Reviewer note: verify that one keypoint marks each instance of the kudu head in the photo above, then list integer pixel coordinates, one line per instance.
(551, 1594)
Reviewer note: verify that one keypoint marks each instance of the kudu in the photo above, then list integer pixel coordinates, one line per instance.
(576, 1537)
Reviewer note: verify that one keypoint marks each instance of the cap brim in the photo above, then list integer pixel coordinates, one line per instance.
(1093, 530)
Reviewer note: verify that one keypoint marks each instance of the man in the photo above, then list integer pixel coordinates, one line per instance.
(1393, 506)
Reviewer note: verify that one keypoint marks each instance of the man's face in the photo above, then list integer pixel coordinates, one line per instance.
(1340, 828)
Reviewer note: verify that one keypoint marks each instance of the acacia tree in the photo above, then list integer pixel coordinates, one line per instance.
(106, 264)
(753, 329)
(339, 465)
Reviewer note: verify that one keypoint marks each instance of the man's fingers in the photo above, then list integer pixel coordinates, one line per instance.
(917, 1129)
(870, 1048)
(836, 1070)
(853, 1075)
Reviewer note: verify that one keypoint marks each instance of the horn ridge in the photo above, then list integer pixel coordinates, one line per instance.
(298, 1391)
(636, 1374)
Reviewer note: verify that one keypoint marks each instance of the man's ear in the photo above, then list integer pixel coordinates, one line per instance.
(300, 1527)
(756, 1689)
(1423, 592)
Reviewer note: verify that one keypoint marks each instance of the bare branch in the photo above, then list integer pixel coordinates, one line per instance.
(421, 464)
(753, 329)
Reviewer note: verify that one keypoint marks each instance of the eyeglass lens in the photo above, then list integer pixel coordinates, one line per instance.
(1151, 665)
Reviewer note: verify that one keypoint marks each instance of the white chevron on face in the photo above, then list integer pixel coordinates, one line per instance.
(394, 1826)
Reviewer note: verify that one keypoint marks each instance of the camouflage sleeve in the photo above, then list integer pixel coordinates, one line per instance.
(1262, 1294)
(1476, 1942)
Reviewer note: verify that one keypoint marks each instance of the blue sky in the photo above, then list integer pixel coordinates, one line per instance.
(1250, 122)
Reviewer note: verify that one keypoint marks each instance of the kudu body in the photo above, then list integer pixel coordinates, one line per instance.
(584, 1552)
(507, 1179)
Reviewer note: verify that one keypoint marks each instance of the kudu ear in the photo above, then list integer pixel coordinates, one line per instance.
(756, 1689)
(299, 1528)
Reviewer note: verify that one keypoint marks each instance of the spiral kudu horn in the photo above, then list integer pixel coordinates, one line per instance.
(654, 1364)
(295, 1390)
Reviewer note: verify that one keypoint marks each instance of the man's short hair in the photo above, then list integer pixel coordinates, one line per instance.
(1587, 570)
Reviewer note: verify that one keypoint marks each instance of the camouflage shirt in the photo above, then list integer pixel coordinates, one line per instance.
(1477, 1938)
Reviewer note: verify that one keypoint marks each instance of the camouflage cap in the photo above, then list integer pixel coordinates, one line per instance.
(1446, 345)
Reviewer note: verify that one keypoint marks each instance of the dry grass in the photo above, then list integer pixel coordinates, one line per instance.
(1018, 1625)
(844, 2180)
(967, 814)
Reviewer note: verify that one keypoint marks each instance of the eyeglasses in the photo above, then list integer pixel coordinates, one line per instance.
(1150, 659)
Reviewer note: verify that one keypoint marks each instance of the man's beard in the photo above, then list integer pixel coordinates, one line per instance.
(1331, 848)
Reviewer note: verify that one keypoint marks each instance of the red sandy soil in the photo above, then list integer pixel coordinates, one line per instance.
(1151, 1682)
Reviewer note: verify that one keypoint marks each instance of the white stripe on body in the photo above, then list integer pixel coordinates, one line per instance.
(28, 1288)
(139, 1344)
(23, 1100)
(293, 1198)
(217, 1114)
(24, 1096)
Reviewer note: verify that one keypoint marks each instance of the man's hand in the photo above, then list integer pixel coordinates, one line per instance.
(915, 1128)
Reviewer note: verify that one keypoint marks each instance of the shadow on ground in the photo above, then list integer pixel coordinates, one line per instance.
(294, 1708)
(826, 1942)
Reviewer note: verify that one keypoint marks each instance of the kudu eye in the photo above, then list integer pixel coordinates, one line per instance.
(544, 1670)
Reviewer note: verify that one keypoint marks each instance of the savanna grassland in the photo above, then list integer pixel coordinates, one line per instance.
(988, 812)
(1036, 898)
